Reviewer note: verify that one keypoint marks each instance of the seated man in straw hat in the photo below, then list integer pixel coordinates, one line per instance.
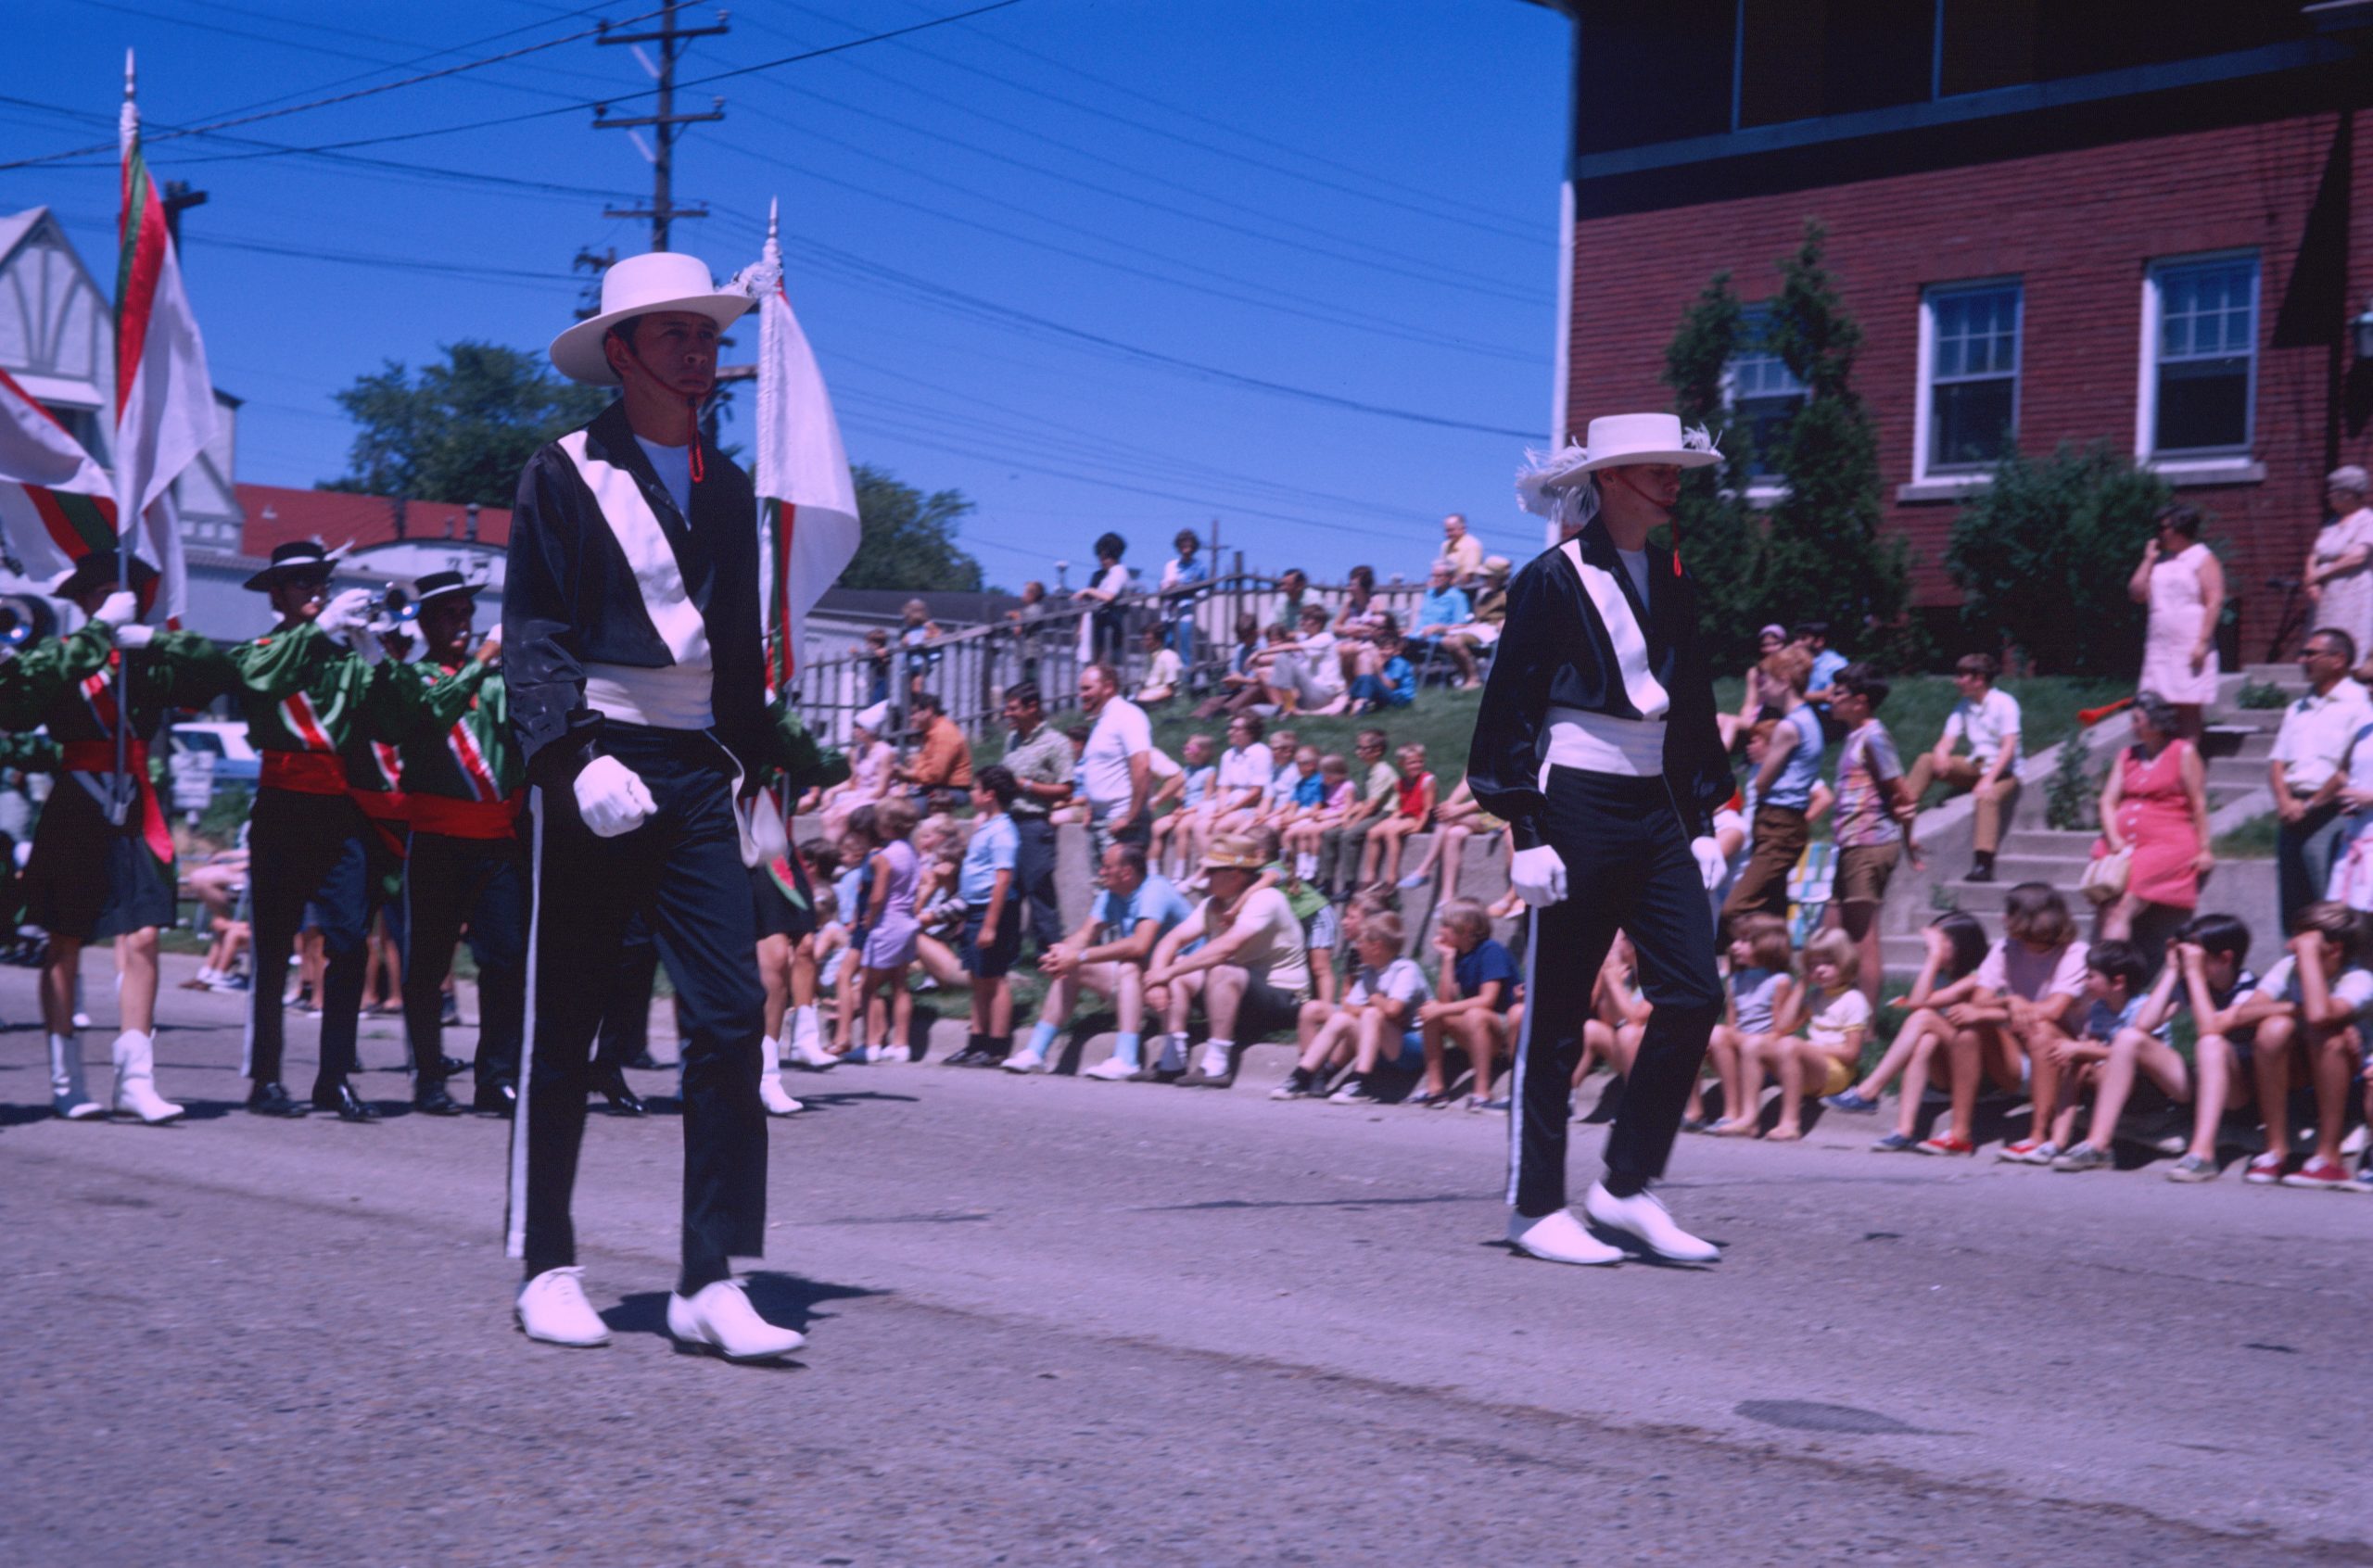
(1252, 970)
(1596, 743)
(636, 676)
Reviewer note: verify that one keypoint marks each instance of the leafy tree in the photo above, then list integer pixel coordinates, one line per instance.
(1719, 538)
(1823, 557)
(909, 537)
(460, 430)
(2042, 555)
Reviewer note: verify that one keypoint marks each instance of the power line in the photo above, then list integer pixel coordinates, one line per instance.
(151, 140)
(1505, 230)
(605, 102)
(1284, 302)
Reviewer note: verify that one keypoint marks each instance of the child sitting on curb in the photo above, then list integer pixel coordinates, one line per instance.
(1478, 987)
(2325, 990)
(2126, 1017)
(1834, 1016)
(1372, 1027)
(1761, 983)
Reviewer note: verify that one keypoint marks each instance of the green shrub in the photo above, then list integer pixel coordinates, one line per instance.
(2263, 695)
(2042, 555)
(2072, 794)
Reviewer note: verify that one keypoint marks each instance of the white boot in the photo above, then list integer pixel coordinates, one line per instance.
(1643, 1215)
(808, 1040)
(136, 1079)
(770, 1090)
(720, 1316)
(66, 1095)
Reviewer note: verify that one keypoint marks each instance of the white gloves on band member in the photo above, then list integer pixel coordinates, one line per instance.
(611, 798)
(134, 636)
(1711, 863)
(118, 610)
(1538, 875)
(345, 614)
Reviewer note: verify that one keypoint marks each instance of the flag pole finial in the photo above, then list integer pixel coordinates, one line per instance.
(128, 75)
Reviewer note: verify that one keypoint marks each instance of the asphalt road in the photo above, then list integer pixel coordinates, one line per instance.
(1057, 1321)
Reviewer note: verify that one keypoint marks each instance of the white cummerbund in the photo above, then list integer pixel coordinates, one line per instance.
(670, 697)
(1602, 743)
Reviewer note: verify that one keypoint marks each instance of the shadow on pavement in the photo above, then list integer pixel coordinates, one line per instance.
(779, 1299)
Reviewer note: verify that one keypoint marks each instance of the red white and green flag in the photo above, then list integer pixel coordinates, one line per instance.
(806, 499)
(164, 398)
(56, 503)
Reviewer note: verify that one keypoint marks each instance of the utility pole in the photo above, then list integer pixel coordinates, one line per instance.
(177, 196)
(663, 120)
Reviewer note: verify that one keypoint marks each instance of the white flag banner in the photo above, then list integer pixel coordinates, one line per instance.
(802, 481)
(164, 397)
(55, 504)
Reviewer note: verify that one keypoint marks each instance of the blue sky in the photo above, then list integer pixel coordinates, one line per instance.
(1023, 244)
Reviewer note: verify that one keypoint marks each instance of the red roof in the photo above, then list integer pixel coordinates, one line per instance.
(276, 515)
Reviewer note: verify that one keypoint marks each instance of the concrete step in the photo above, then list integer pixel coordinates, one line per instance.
(2223, 740)
(1985, 900)
(2057, 869)
(2239, 772)
(2047, 841)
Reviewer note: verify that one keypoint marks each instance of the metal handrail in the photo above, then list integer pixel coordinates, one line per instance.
(969, 670)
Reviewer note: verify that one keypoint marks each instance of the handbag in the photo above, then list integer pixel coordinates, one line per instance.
(2104, 880)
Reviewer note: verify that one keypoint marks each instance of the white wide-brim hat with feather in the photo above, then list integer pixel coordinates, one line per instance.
(642, 286)
(1613, 441)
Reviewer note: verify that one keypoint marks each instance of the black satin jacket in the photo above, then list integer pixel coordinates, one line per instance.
(569, 598)
(1554, 651)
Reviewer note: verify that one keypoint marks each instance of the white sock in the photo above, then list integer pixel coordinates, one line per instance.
(1306, 865)
(1215, 1057)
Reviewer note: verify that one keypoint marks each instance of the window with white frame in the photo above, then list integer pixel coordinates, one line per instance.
(1969, 375)
(1764, 394)
(2200, 356)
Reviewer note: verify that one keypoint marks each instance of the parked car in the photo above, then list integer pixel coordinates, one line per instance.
(235, 760)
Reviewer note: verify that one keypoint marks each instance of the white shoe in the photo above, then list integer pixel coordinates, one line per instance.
(1111, 1069)
(136, 1081)
(1024, 1060)
(553, 1309)
(1560, 1238)
(721, 1318)
(67, 1097)
(771, 1093)
(1643, 1215)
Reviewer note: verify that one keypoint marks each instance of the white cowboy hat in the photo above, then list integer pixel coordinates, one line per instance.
(663, 280)
(1614, 440)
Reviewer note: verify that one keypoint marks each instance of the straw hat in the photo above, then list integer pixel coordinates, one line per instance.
(1232, 852)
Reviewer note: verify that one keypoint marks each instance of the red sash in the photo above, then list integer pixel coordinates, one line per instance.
(304, 773)
(466, 819)
(98, 757)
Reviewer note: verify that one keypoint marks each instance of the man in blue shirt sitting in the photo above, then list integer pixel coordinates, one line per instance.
(1444, 609)
(1108, 955)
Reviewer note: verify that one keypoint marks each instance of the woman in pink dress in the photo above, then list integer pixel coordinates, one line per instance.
(2156, 804)
(2182, 582)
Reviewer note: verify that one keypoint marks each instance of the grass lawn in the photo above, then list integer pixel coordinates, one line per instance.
(2252, 840)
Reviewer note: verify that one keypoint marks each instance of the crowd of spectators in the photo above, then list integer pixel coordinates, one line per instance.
(1256, 887)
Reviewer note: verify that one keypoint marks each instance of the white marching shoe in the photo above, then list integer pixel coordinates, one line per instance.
(1560, 1238)
(1643, 1216)
(67, 1097)
(807, 1042)
(771, 1093)
(136, 1081)
(720, 1317)
(553, 1309)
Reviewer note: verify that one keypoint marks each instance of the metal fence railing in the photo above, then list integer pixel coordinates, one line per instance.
(969, 670)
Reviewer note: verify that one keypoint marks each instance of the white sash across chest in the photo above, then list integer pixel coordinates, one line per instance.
(649, 555)
(1646, 693)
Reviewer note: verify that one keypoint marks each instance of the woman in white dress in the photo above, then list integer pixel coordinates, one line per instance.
(1099, 631)
(2183, 583)
(2340, 563)
(870, 759)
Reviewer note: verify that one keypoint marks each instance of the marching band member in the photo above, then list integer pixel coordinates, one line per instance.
(637, 689)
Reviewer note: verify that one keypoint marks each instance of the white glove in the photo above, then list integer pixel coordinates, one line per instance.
(134, 636)
(1711, 866)
(117, 610)
(766, 831)
(345, 613)
(1538, 875)
(611, 798)
(368, 644)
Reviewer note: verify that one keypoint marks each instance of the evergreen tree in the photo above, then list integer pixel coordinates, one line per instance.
(1823, 557)
(1720, 539)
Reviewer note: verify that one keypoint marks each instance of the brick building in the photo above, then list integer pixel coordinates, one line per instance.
(2055, 221)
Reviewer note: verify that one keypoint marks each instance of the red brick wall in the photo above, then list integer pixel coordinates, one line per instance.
(2078, 228)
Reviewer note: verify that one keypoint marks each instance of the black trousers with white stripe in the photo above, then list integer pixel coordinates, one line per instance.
(448, 881)
(1628, 868)
(682, 871)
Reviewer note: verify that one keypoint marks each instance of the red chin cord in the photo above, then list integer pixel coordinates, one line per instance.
(692, 408)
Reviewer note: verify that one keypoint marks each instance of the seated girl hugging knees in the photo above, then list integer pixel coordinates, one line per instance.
(2315, 1035)
(1955, 945)
(1834, 1016)
(2032, 984)
(1375, 1028)
(2126, 1021)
